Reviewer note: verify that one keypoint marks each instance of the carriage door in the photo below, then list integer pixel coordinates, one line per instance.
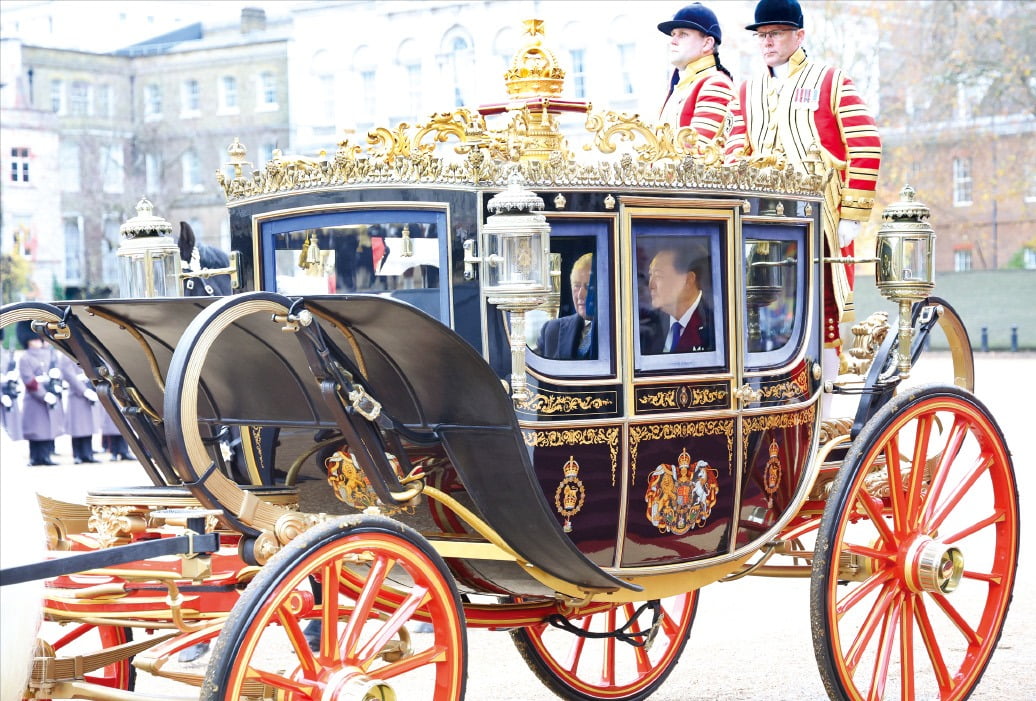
(682, 475)
(779, 302)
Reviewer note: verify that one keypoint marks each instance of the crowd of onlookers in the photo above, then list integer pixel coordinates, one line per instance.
(44, 394)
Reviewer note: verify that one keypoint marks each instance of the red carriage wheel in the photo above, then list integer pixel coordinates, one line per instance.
(917, 551)
(366, 650)
(88, 637)
(574, 662)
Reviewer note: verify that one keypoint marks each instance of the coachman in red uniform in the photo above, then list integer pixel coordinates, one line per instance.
(799, 103)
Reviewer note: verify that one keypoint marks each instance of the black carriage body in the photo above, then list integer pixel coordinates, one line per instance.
(650, 462)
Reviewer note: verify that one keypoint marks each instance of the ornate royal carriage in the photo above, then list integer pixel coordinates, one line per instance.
(387, 344)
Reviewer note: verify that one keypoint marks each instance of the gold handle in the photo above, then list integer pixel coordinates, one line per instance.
(746, 395)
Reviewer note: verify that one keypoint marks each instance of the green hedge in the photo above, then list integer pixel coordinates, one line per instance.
(995, 299)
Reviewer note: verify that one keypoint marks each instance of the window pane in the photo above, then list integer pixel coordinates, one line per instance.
(391, 253)
(680, 319)
(774, 274)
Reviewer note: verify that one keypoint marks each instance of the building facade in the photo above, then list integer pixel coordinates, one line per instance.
(96, 132)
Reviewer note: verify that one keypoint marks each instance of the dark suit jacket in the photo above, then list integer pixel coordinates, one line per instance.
(700, 334)
(559, 338)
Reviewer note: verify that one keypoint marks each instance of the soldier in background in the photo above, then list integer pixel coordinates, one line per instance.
(10, 393)
(81, 410)
(43, 417)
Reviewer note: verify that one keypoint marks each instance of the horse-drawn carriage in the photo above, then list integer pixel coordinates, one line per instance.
(410, 449)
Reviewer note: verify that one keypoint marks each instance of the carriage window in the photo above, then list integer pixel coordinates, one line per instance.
(569, 334)
(396, 254)
(774, 281)
(680, 307)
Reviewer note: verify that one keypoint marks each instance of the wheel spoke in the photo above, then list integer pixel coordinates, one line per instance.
(279, 681)
(914, 499)
(873, 507)
(855, 596)
(575, 650)
(958, 492)
(906, 648)
(997, 516)
(885, 646)
(608, 663)
(970, 634)
(991, 578)
(954, 440)
(870, 624)
(432, 655)
(893, 461)
(924, 624)
(298, 640)
(376, 575)
(329, 649)
(872, 553)
(391, 626)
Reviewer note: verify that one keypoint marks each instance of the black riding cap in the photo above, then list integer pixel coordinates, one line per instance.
(695, 16)
(787, 12)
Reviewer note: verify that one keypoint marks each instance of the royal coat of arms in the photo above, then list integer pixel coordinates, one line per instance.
(680, 497)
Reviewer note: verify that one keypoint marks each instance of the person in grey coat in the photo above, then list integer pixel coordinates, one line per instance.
(43, 417)
(81, 410)
(112, 440)
(10, 392)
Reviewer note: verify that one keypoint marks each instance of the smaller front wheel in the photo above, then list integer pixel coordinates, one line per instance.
(377, 580)
(621, 654)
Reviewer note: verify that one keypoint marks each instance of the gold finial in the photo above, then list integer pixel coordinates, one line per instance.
(533, 26)
(534, 72)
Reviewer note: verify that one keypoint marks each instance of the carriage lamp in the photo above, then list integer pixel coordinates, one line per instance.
(904, 273)
(515, 265)
(149, 259)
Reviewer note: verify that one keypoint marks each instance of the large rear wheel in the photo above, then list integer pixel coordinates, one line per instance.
(917, 551)
(622, 654)
(375, 576)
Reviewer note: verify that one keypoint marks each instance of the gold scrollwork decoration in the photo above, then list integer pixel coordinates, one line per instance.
(669, 431)
(549, 403)
(556, 438)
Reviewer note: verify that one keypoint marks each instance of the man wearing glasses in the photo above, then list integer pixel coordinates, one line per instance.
(797, 104)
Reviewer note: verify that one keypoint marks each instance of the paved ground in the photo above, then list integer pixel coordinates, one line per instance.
(751, 639)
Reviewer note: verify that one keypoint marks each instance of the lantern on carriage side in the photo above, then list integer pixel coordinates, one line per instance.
(515, 265)
(149, 259)
(904, 272)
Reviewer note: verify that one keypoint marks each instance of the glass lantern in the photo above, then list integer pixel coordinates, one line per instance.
(517, 243)
(515, 266)
(149, 259)
(905, 272)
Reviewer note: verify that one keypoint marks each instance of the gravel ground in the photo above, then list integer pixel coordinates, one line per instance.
(751, 639)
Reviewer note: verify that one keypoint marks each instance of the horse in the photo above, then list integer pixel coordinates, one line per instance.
(195, 258)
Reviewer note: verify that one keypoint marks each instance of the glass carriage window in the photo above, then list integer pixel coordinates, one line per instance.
(774, 274)
(571, 333)
(681, 312)
(396, 253)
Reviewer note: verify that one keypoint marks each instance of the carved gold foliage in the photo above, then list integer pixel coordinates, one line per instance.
(459, 147)
(666, 399)
(551, 403)
(707, 395)
(577, 436)
(788, 389)
(667, 431)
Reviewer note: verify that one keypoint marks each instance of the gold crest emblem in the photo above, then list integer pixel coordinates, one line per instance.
(570, 494)
(680, 497)
(772, 474)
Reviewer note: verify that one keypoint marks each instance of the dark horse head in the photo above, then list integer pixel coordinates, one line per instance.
(196, 257)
